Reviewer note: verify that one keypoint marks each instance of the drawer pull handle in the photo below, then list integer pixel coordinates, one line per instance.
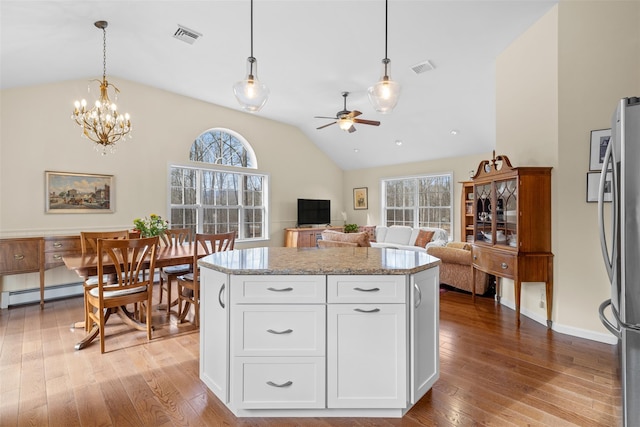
(220, 295)
(287, 384)
(18, 256)
(57, 257)
(375, 310)
(57, 245)
(504, 265)
(366, 290)
(286, 331)
(475, 257)
(280, 290)
(419, 297)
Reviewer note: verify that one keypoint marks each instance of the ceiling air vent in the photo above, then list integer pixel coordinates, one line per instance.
(186, 35)
(422, 67)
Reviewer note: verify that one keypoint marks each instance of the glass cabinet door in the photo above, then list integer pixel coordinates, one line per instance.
(506, 212)
(483, 196)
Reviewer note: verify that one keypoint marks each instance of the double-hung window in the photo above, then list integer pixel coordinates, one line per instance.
(222, 191)
(418, 201)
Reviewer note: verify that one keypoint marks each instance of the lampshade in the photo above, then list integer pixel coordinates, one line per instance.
(250, 92)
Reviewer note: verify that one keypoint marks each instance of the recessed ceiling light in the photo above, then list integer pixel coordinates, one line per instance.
(398, 142)
(454, 131)
(355, 150)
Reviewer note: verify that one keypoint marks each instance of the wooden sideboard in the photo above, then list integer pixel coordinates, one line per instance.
(35, 254)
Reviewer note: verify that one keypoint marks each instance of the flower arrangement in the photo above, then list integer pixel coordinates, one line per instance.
(154, 225)
(351, 228)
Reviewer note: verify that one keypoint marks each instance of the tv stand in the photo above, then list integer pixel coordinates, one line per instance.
(305, 237)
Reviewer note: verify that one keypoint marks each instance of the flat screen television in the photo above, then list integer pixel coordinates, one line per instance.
(314, 212)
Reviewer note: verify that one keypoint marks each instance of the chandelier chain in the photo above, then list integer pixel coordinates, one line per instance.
(104, 54)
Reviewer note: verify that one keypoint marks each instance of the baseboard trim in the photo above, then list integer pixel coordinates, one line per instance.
(605, 338)
(30, 296)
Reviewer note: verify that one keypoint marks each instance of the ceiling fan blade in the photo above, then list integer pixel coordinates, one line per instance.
(323, 117)
(351, 129)
(367, 122)
(354, 113)
(328, 124)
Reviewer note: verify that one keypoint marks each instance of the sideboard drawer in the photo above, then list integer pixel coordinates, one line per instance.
(366, 289)
(279, 330)
(276, 289)
(55, 247)
(19, 255)
(279, 382)
(495, 262)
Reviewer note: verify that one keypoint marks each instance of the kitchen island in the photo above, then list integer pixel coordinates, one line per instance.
(308, 332)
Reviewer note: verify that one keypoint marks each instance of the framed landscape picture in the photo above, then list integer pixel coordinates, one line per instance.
(68, 192)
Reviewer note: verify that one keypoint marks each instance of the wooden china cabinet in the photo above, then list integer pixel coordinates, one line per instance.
(512, 225)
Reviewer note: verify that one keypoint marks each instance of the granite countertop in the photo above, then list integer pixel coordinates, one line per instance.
(347, 260)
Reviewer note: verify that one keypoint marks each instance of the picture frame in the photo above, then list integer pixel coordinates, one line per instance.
(593, 185)
(78, 193)
(599, 143)
(360, 198)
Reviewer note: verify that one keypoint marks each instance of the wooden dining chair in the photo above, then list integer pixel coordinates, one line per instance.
(189, 284)
(89, 245)
(129, 257)
(173, 237)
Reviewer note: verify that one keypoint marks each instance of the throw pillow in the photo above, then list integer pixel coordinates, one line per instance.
(423, 238)
(362, 239)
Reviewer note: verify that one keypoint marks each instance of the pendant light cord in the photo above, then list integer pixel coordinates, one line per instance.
(386, 13)
(252, 28)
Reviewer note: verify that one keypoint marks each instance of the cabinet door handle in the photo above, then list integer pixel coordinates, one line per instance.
(419, 299)
(220, 296)
(57, 257)
(374, 310)
(286, 331)
(57, 245)
(287, 384)
(280, 290)
(475, 257)
(504, 265)
(18, 256)
(366, 290)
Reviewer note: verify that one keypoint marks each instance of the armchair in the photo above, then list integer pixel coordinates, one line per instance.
(456, 268)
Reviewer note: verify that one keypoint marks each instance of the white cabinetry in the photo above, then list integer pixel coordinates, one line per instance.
(319, 345)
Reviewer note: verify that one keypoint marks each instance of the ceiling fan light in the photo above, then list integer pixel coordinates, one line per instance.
(250, 92)
(345, 123)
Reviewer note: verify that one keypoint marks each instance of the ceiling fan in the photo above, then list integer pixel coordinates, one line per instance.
(346, 119)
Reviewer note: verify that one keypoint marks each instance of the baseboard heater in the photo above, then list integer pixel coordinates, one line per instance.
(30, 296)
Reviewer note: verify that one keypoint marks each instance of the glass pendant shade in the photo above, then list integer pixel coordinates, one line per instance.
(250, 92)
(384, 95)
(345, 124)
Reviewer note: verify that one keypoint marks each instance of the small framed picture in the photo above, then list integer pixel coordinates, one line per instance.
(78, 193)
(593, 185)
(599, 143)
(360, 198)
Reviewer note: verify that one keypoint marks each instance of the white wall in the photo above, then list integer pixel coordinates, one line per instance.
(38, 135)
(556, 83)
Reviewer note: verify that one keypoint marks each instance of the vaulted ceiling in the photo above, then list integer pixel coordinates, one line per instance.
(308, 51)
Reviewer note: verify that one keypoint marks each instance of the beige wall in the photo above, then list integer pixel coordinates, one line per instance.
(370, 178)
(38, 135)
(556, 83)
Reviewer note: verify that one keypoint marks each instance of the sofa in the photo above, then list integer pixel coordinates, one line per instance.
(408, 238)
(456, 267)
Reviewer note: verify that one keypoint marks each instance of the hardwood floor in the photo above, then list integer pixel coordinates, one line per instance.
(491, 374)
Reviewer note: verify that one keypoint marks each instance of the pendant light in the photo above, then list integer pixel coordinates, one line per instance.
(250, 92)
(384, 94)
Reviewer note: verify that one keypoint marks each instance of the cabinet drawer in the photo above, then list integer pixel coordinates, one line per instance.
(62, 244)
(279, 382)
(279, 330)
(19, 255)
(366, 289)
(495, 262)
(278, 289)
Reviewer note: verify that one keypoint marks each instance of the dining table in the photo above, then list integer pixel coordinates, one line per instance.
(86, 265)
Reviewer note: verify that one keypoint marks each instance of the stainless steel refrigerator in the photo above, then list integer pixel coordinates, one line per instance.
(619, 228)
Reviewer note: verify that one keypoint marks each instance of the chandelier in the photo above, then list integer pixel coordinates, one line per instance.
(384, 94)
(103, 124)
(250, 92)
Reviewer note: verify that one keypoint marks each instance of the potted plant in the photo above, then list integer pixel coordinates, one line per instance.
(351, 228)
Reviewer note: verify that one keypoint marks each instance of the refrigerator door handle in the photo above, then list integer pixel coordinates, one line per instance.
(608, 260)
(614, 329)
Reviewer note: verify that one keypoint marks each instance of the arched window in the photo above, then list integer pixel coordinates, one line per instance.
(224, 192)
